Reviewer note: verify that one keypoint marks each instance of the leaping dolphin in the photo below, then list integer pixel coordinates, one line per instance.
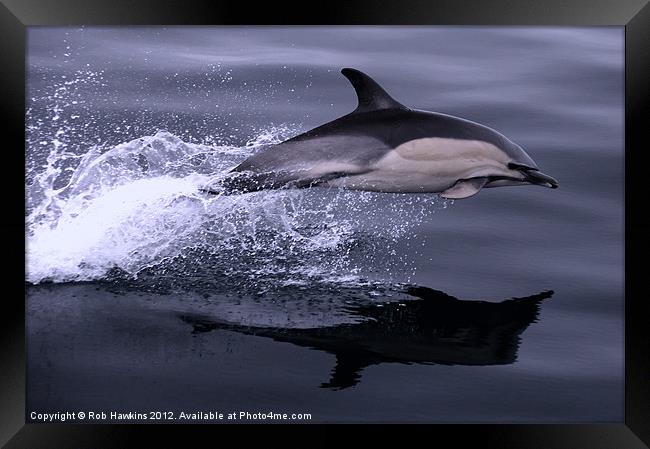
(384, 146)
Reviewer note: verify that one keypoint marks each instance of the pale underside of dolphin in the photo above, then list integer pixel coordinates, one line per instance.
(384, 146)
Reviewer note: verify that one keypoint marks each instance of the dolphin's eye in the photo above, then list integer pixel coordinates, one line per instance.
(515, 166)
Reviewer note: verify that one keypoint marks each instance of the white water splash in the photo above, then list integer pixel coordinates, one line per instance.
(139, 204)
(94, 208)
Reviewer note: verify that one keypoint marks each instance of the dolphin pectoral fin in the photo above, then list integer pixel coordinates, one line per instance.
(464, 188)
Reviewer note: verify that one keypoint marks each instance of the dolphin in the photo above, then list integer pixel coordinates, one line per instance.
(431, 328)
(384, 146)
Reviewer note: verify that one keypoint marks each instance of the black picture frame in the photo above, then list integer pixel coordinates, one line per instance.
(634, 15)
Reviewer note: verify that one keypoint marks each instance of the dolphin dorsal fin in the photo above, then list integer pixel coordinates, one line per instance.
(371, 95)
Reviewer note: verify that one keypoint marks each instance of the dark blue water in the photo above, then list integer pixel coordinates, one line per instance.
(144, 296)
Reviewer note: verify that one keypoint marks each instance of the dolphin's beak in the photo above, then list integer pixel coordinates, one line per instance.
(538, 178)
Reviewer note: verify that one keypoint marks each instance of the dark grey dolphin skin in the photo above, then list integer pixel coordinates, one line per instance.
(435, 328)
(384, 146)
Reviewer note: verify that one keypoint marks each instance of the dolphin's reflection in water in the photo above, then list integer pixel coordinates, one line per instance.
(431, 328)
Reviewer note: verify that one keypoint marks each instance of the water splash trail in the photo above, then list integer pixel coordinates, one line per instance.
(138, 204)
(97, 210)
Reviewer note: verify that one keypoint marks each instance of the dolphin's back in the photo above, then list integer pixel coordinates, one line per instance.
(357, 138)
(365, 137)
(344, 145)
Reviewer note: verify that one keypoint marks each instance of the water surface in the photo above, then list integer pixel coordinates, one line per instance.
(145, 295)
